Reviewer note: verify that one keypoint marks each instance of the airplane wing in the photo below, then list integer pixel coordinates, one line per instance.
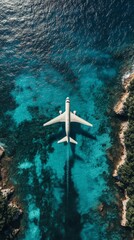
(60, 118)
(74, 118)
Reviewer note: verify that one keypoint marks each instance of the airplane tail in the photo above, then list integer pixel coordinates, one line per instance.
(73, 141)
(65, 139)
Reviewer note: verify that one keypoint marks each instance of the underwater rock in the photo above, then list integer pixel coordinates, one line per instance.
(110, 154)
(10, 211)
(10, 216)
(7, 191)
(18, 210)
(101, 207)
(111, 226)
(2, 151)
(15, 232)
(4, 176)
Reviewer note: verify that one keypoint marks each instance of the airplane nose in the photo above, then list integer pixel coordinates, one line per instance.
(67, 100)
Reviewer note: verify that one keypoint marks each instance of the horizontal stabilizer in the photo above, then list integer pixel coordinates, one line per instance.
(63, 140)
(73, 141)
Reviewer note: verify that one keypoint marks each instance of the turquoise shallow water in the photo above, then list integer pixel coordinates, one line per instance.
(50, 51)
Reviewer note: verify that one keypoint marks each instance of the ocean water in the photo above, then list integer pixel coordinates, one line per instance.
(50, 50)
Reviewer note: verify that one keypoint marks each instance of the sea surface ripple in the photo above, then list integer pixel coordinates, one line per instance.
(50, 50)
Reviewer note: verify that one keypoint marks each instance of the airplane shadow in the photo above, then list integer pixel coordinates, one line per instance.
(59, 135)
(72, 224)
(75, 129)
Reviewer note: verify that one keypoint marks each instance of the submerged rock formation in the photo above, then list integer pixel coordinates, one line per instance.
(10, 211)
(2, 150)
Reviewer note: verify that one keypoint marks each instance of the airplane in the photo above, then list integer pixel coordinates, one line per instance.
(67, 117)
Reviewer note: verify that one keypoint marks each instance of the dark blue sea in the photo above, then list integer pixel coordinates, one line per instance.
(50, 50)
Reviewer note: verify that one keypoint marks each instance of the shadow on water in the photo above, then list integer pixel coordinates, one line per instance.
(73, 224)
(76, 129)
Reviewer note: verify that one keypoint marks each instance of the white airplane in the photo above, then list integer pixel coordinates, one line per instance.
(67, 117)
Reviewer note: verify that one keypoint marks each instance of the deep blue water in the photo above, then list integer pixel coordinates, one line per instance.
(50, 50)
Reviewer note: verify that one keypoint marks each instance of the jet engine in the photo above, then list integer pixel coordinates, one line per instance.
(74, 112)
(60, 112)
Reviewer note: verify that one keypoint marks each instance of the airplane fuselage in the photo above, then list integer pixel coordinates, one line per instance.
(67, 117)
(67, 122)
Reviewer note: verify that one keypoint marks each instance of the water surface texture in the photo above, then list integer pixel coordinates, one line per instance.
(50, 50)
